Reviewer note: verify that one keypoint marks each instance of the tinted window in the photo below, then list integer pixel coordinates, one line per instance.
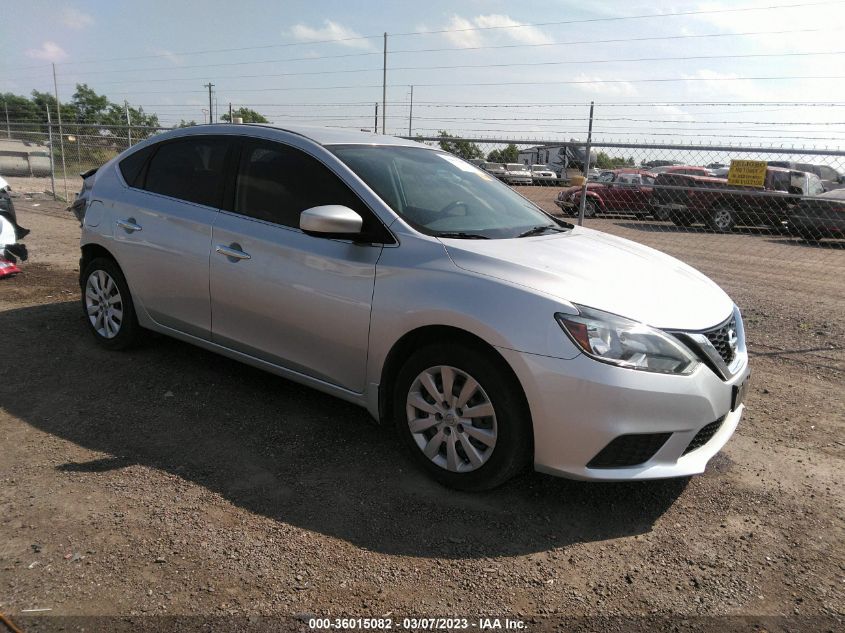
(190, 169)
(132, 166)
(277, 183)
(828, 173)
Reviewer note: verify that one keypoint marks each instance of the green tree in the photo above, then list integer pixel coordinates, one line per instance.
(465, 149)
(247, 114)
(184, 123)
(509, 154)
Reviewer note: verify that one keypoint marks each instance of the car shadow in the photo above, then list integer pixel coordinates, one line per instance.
(807, 243)
(284, 451)
(656, 226)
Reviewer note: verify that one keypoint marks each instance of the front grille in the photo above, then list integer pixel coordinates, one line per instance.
(629, 450)
(720, 339)
(704, 435)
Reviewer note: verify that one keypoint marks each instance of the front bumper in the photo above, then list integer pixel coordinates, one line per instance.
(579, 406)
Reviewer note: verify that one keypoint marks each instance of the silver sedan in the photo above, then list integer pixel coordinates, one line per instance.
(405, 280)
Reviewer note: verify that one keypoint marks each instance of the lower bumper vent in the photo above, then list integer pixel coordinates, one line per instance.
(629, 450)
(704, 435)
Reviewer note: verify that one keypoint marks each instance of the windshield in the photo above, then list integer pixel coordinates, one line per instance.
(540, 168)
(515, 167)
(440, 194)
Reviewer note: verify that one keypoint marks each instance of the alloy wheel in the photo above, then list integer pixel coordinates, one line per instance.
(103, 304)
(451, 419)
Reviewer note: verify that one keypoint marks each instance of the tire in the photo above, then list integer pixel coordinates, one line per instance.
(589, 209)
(721, 220)
(661, 214)
(107, 305)
(495, 450)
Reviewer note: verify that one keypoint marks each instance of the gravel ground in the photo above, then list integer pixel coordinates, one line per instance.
(168, 481)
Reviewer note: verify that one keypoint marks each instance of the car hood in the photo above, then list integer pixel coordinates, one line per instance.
(601, 271)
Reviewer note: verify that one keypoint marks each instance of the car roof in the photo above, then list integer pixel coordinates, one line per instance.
(320, 135)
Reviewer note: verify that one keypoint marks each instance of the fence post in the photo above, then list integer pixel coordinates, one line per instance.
(52, 166)
(128, 125)
(61, 137)
(8, 129)
(583, 201)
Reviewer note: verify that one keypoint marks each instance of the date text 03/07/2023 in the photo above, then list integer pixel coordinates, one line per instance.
(416, 624)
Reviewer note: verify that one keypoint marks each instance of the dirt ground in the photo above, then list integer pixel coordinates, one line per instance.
(168, 481)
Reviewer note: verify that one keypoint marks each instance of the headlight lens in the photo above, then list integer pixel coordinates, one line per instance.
(626, 343)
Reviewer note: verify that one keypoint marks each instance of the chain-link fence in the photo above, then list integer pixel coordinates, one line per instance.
(780, 210)
(44, 158)
(778, 206)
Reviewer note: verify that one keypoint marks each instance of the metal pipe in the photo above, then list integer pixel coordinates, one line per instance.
(384, 86)
(61, 137)
(52, 166)
(411, 112)
(586, 165)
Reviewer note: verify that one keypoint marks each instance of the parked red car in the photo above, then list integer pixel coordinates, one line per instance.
(615, 191)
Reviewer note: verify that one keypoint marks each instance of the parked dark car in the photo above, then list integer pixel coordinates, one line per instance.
(689, 200)
(831, 179)
(615, 191)
(820, 217)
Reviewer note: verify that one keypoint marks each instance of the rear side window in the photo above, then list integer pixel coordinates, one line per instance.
(190, 169)
(132, 166)
(277, 183)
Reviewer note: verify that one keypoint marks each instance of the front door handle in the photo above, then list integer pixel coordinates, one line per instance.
(233, 251)
(129, 225)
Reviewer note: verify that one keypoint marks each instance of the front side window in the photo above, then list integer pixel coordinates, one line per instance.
(190, 169)
(438, 193)
(276, 183)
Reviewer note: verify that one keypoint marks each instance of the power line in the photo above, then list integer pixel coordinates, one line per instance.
(624, 17)
(461, 49)
(462, 30)
(503, 65)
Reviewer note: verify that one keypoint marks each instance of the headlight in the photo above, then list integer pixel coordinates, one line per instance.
(619, 341)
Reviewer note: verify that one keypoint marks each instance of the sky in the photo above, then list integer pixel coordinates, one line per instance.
(486, 69)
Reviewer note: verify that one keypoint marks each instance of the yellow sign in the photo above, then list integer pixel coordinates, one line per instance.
(751, 173)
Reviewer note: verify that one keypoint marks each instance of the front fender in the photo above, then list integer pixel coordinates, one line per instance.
(418, 285)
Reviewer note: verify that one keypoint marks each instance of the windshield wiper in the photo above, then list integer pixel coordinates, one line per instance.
(462, 235)
(537, 230)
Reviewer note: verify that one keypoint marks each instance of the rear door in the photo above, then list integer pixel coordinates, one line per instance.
(163, 226)
(283, 296)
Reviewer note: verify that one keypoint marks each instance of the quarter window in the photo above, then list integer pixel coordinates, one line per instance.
(189, 169)
(132, 166)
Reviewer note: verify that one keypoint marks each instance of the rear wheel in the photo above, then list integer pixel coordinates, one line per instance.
(721, 220)
(107, 304)
(462, 415)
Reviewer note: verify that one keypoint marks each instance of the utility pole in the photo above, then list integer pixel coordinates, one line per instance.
(8, 130)
(210, 85)
(128, 124)
(52, 166)
(586, 168)
(61, 137)
(411, 112)
(384, 86)
(375, 124)
(231, 120)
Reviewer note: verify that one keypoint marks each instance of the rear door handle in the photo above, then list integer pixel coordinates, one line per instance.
(129, 225)
(233, 251)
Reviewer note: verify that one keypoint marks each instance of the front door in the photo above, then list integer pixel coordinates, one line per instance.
(283, 296)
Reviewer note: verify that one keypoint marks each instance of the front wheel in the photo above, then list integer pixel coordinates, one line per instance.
(721, 220)
(107, 304)
(462, 415)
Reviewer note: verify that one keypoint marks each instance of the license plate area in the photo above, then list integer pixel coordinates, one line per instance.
(738, 393)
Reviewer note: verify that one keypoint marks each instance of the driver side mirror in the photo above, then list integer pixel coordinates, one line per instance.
(331, 221)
